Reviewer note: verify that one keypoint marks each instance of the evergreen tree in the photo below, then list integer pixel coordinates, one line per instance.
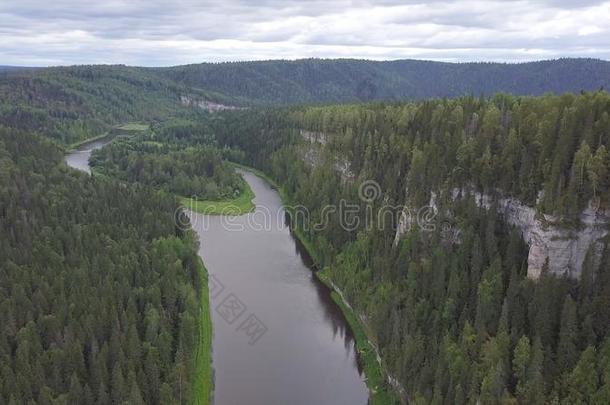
(567, 352)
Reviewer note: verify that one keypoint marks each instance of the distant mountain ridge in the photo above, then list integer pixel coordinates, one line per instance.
(72, 102)
(312, 81)
(348, 80)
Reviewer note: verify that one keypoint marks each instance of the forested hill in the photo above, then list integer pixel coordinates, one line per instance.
(70, 103)
(340, 80)
(73, 103)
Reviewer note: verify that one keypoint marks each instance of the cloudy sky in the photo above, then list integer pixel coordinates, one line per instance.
(161, 33)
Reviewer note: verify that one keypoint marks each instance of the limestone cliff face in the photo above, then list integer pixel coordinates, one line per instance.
(563, 249)
(559, 248)
(314, 136)
(209, 106)
(313, 153)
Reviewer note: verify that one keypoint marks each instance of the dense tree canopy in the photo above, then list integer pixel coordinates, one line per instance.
(454, 315)
(99, 289)
(349, 80)
(197, 172)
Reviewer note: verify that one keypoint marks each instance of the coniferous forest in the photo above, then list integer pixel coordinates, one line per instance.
(101, 288)
(454, 315)
(196, 172)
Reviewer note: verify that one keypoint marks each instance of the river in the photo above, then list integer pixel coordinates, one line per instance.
(278, 338)
(79, 158)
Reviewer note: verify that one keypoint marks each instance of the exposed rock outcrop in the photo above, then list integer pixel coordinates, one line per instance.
(314, 136)
(313, 153)
(209, 106)
(558, 248)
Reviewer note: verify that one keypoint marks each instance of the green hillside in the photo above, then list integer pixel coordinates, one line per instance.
(341, 80)
(70, 104)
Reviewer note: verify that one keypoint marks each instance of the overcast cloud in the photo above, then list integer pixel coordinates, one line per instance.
(162, 33)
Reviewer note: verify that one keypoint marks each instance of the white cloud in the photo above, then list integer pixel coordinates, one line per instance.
(188, 31)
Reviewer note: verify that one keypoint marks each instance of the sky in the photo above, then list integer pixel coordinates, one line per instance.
(165, 33)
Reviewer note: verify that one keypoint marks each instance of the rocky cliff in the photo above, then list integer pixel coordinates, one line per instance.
(558, 248)
(206, 105)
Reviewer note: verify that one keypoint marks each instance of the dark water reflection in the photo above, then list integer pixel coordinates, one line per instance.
(307, 354)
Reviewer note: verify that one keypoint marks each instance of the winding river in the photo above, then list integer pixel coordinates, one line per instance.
(278, 336)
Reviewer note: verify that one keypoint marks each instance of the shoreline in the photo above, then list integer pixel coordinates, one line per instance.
(203, 384)
(375, 375)
(240, 205)
(74, 146)
(128, 127)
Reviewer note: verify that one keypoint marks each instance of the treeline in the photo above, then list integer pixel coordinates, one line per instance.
(348, 80)
(553, 150)
(99, 289)
(102, 94)
(197, 171)
(450, 307)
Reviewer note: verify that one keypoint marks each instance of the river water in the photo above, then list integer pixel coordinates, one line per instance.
(79, 159)
(278, 338)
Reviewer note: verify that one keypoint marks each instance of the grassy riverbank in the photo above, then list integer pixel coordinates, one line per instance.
(240, 205)
(375, 376)
(134, 126)
(130, 127)
(203, 382)
(74, 146)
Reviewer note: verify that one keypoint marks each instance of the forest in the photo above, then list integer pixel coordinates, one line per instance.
(101, 291)
(349, 80)
(197, 172)
(99, 288)
(456, 320)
